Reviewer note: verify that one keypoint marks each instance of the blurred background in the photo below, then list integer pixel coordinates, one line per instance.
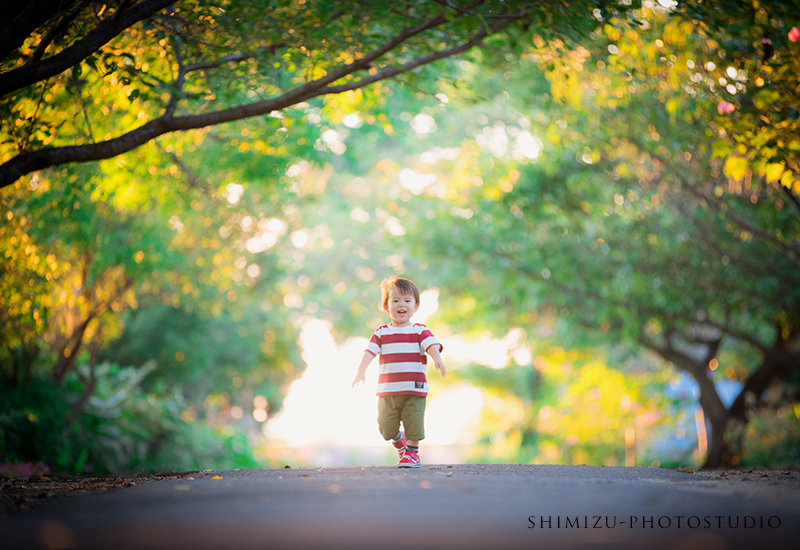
(600, 207)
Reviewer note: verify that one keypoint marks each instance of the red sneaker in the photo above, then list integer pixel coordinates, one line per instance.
(410, 459)
(400, 445)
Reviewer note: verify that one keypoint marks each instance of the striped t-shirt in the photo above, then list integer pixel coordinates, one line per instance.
(403, 359)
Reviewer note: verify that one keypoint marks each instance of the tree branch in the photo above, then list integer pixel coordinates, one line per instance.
(28, 162)
(66, 359)
(89, 385)
(178, 82)
(394, 71)
(757, 266)
(725, 212)
(709, 398)
(53, 32)
(790, 195)
(754, 386)
(469, 10)
(94, 40)
(234, 57)
(33, 118)
(18, 20)
(738, 335)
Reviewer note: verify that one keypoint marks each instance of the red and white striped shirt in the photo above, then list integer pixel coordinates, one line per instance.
(403, 359)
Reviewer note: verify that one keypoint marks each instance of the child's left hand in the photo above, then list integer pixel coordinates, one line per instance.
(433, 351)
(439, 365)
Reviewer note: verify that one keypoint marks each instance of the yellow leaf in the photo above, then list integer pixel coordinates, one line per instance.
(774, 171)
(735, 167)
(672, 106)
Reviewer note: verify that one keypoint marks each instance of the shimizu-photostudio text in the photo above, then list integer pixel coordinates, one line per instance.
(654, 522)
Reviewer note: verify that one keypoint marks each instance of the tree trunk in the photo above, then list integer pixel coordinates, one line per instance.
(714, 410)
(67, 355)
(718, 455)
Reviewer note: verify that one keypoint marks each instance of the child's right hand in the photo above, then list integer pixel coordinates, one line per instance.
(358, 379)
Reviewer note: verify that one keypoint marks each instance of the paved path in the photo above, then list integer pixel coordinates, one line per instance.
(437, 506)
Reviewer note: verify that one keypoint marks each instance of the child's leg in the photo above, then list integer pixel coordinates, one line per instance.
(413, 417)
(388, 417)
(389, 423)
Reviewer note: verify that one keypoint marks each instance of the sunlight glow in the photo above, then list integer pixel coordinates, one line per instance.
(531, 146)
(414, 181)
(233, 192)
(334, 141)
(320, 406)
(490, 352)
(428, 304)
(423, 124)
(353, 120)
(269, 229)
(322, 410)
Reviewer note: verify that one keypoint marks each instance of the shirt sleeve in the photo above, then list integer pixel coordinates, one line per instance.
(374, 345)
(427, 339)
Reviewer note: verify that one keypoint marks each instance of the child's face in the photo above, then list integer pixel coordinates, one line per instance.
(400, 307)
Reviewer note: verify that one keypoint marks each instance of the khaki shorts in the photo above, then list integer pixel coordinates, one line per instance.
(408, 409)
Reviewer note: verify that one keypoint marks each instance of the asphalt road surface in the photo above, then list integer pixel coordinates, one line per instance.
(435, 506)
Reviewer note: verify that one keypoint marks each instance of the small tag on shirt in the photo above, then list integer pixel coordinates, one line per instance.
(419, 385)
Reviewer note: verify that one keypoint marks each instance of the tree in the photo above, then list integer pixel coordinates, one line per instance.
(110, 293)
(748, 57)
(129, 71)
(755, 205)
(628, 227)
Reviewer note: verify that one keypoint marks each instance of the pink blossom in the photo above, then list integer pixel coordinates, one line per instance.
(725, 108)
(794, 34)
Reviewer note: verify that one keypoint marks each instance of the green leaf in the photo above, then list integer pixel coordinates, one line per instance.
(720, 150)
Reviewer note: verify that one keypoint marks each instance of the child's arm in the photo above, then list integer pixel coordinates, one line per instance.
(433, 351)
(362, 368)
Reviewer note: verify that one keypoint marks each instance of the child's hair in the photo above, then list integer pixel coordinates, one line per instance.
(403, 286)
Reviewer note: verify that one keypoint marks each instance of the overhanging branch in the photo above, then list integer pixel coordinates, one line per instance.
(44, 158)
(71, 56)
(57, 29)
(791, 253)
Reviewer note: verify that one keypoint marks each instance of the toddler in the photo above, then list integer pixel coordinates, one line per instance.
(402, 384)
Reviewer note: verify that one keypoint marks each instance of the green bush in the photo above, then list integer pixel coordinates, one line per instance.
(120, 430)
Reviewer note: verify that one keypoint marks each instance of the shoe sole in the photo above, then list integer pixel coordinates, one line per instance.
(408, 465)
